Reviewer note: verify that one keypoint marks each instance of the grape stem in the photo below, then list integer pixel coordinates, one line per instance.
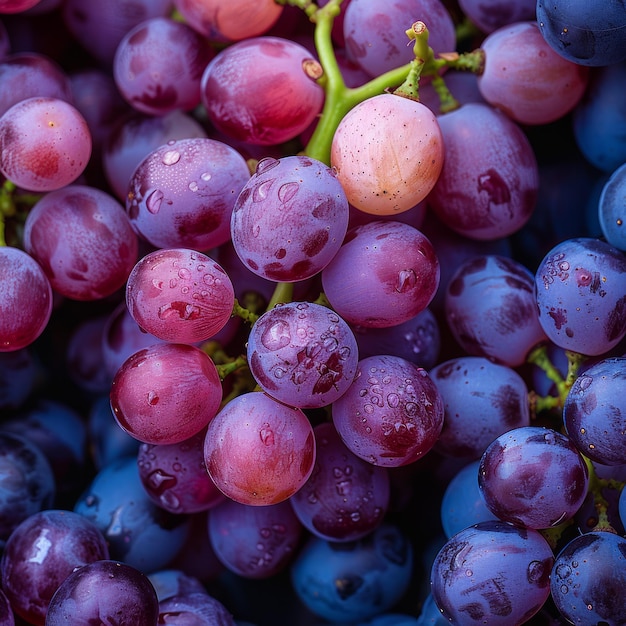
(224, 369)
(245, 314)
(596, 488)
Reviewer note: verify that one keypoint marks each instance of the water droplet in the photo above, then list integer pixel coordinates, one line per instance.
(279, 372)
(368, 408)
(206, 177)
(393, 400)
(368, 430)
(276, 336)
(468, 572)
(312, 498)
(265, 532)
(153, 201)
(193, 186)
(260, 192)
(267, 435)
(564, 589)
(355, 516)
(209, 279)
(287, 191)
(171, 157)
(266, 164)
(584, 382)
(170, 501)
(184, 273)
(153, 398)
(406, 280)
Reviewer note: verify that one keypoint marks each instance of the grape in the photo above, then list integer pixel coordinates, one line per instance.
(431, 615)
(18, 375)
(194, 608)
(580, 280)
(401, 133)
(17, 6)
(45, 144)
(493, 573)
(533, 476)
(83, 240)
(155, 404)
(182, 194)
(489, 15)
(175, 477)
(27, 290)
(593, 412)
(356, 580)
(273, 98)
(103, 592)
(493, 194)
(491, 309)
(482, 400)
(290, 218)
(254, 541)
(259, 451)
(158, 65)
(392, 414)
(221, 22)
(582, 33)
(179, 295)
(588, 578)
(345, 498)
(526, 79)
(384, 274)
(611, 208)
(7, 617)
(302, 354)
(173, 582)
(41, 552)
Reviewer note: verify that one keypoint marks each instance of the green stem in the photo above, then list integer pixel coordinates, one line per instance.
(539, 357)
(245, 314)
(596, 487)
(224, 369)
(283, 292)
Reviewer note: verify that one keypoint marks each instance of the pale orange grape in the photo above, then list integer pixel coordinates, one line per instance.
(388, 152)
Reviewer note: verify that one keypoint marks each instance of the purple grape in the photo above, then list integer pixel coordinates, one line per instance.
(489, 15)
(302, 354)
(17, 6)
(290, 218)
(182, 194)
(104, 592)
(491, 309)
(173, 582)
(392, 414)
(18, 377)
(588, 578)
(492, 573)
(41, 553)
(482, 400)
(179, 295)
(533, 476)
(254, 541)
(582, 281)
(345, 498)
(611, 208)
(194, 609)
(384, 274)
(7, 617)
(83, 240)
(594, 412)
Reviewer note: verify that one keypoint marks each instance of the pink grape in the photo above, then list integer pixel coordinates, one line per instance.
(45, 144)
(259, 451)
(388, 152)
(25, 299)
(17, 6)
(384, 274)
(179, 295)
(166, 393)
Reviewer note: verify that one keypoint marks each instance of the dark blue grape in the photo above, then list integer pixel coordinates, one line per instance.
(612, 208)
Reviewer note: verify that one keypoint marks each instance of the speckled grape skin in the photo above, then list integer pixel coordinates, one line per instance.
(345, 498)
(289, 219)
(595, 412)
(400, 133)
(588, 579)
(492, 194)
(384, 274)
(392, 414)
(533, 476)
(179, 295)
(491, 309)
(182, 194)
(166, 393)
(302, 354)
(259, 451)
(581, 295)
(41, 552)
(492, 573)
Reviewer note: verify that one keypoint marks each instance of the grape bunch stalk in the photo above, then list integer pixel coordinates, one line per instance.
(322, 303)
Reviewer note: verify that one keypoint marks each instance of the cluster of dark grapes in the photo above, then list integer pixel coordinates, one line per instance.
(312, 313)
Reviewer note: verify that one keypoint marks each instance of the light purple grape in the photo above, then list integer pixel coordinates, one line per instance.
(289, 219)
(302, 354)
(158, 65)
(179, 295)
(182, 194)
(83, 239)
(488, 15)
(533, 476)
(384, 274)
(194, 609)
(392, 414)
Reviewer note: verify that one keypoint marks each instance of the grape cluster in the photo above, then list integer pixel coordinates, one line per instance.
(312, 313)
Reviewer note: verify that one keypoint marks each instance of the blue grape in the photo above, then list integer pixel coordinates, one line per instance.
(612, 208)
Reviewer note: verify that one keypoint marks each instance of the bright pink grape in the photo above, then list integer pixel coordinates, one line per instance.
(302, 354)
(166, 393)
(83, 239)
(388, 152)
(25, 299)
(274, 97)
(182, 194)
(179, 295)
(259, 451)
(45, 144)
(384, 274)
(524, 77)
(158, 66)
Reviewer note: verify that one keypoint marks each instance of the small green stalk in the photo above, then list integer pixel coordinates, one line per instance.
(245, 314)
(225, 369)
(283, 293)
(596, 487)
